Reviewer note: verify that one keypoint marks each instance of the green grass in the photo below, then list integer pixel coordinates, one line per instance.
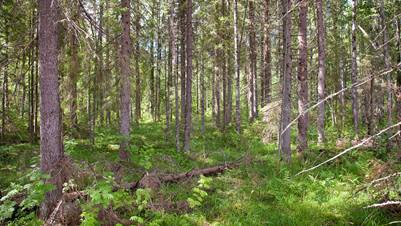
(261, 192)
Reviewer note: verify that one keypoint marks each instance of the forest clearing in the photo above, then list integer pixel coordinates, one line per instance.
(200, 112)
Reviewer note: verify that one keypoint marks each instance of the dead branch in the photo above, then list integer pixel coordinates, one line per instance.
(388, 203)
(351, 148)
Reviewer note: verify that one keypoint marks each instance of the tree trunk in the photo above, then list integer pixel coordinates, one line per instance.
(137, 69)
(303, 97)
(72, 91)
(286, 87)
(267, 76)
(125, 90)
(322, 69)
(387, 64)
(354, 71)
(252, 65)
(188, 98)
(237, 70)
(203, 93)
(183, 27)
(51, 141)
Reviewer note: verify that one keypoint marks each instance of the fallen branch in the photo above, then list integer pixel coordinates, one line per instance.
(350, 149)
(389, 203)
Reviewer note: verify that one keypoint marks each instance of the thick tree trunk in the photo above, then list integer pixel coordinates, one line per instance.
(237, 70)
(303, 97)
(354, 71)
(322, 69)
(51, 141)
(286, 87)
(125, 90)
(188, 98)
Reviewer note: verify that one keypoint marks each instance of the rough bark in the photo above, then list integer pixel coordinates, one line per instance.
(303, 97)
(182, 21)
(51, 144)
(188, 98)
(125, 84)
(354, 70)
(286, 87)
(322, 69)
(72, 91)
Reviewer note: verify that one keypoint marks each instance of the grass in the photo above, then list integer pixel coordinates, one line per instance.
(262, 192)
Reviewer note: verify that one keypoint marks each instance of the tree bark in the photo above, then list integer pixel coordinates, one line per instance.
(286, 87)
(237, 70)
(183, 20)
(188, 98)
(303, 97)
(252, 61)
(74, 69)
(51, 141)
(322, 69)
(354, 70)
(138, 98)
(125, 90)
(267, 76)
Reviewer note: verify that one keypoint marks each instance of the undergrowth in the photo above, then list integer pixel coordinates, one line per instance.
(262, 191)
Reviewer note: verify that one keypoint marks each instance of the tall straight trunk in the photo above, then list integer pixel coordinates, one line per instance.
(237, 70)
(31, 85)
(322, 69)
(354, 70)
(51, 141)
(286, 87)
(398, 88)
(203, 94)
(100, 70)
(217, 78)
(183, 6)
(303, 97)
(72, 91)
(267, 75)
(170, 66)
(188, 98)
(158, 75)
(252, 61)
(174, 72)
(4, 99)
(152, 78)
(108, 85)
(137, 69)
(387, 64)
(125, 90)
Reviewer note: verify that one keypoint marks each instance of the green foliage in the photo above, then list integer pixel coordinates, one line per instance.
(199, 192)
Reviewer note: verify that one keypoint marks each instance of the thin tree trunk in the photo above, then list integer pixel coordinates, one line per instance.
(237, 70)
(137, 58)
(354, 70)
(388, 66)
(322, 69)
(183, 27)
(286, 99)
(51, 141)
(252, 60)
(188, 98)
(303, 97)
(72, 91)
(398, 88)
(267, 76)
(203, 93)
(125, 91)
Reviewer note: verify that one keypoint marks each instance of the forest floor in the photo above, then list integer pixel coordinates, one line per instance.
(261, 191)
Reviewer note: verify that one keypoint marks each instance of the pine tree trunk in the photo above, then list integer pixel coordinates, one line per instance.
(51, 141)
(252, 65)
(354, 70)
(237, 70)
(137, 68)
(322, 69)
(286, 87)
(267, 76)
(72, 91)
(183, 7)
(125, 90)
(303, 97)
(188, 98)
